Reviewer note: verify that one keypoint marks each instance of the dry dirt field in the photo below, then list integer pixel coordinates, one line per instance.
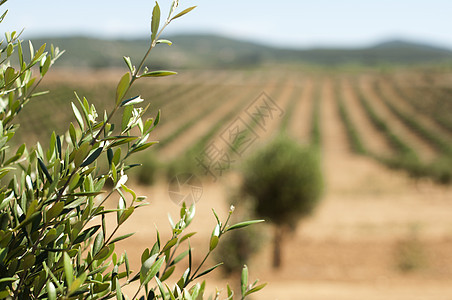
(349, 249)
(371, 218)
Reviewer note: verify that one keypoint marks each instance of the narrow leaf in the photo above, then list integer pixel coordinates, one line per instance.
(74, 181)
(168, 273)
(77, 283)
(169, 43)
(146, 267)
(103, 253)
(244, 279)
(131, 192)
(9, 75)
(67, 264)
(185, 11)
(128, 63)
(154, 269)
(126, 116)
(180, 257)
(78, 116)
(30, 46)
(51, 291)
(118, 289)
(209, 270)
(169, 244)
(161, 288)
(92, 157)
(125, 215)
(255, 289)
(188, 235)
(157, 118)
(122, 88)
(216, 216)
(3, 16)
(156, 248)
(43, 168)
(54, 211)
(155, 23)
(86, 234)
(214, 238)
(213, 242)
(37, 56)
(244, 224)
(45, 65)
(73, 134)
(81, 153)
(131, 101)
(58, 146)
(126, 259)
(190, 257)
(230, 292)
(142, 147)
(122, 237)
(81, 194)
(39, 94)
(160, 73)
(121, 207)
(98, 243)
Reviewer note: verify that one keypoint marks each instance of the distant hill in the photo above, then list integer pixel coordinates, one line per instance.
(211, 51)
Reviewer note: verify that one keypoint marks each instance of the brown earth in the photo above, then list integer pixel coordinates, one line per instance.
(402, 104)
(187, 109)
(351, 247)
(424, 150)
(354, 244)
(371, 137)
(302, 114)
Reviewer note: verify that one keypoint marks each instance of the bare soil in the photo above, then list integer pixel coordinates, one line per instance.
(424, 150)
(302, 114)
(405, 107)
(371, 137)
(351, 247)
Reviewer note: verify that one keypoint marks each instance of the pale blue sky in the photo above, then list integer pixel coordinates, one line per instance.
(278, 22)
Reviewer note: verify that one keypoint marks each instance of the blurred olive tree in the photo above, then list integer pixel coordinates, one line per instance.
(286, 183)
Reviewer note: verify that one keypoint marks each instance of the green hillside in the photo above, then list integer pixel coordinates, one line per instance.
(190, 51)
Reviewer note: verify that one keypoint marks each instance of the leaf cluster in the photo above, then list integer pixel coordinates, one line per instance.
(54, 242)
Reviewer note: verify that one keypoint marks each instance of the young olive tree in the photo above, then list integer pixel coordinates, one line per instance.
(285, 181)
(54, 242)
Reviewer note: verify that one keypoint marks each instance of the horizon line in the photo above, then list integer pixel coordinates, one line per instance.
(309, 46)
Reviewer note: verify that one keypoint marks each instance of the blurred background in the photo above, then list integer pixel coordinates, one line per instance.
(364, 85)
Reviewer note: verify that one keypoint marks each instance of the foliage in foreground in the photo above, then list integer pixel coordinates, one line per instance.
(239, 247)
(54, 242)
